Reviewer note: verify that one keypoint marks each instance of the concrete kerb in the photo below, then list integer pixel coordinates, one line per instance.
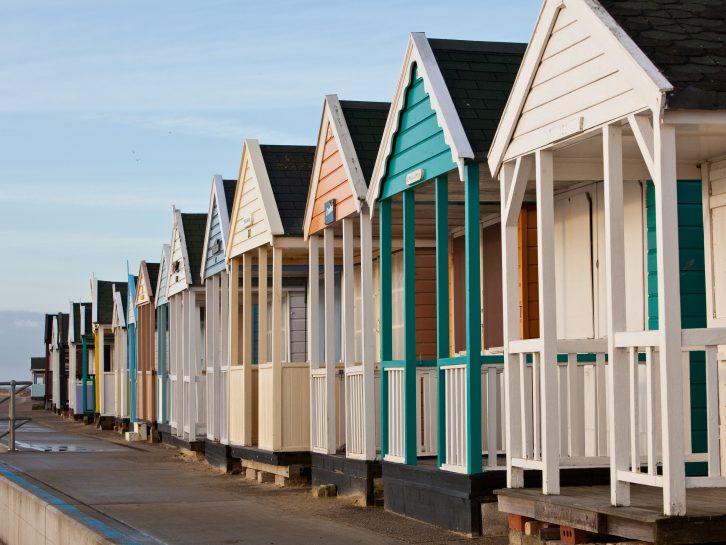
(30, 515)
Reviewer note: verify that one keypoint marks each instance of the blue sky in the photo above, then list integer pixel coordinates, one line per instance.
(112, 111)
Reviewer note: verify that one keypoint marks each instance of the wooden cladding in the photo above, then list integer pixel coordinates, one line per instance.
(528, 285)
(332, 184)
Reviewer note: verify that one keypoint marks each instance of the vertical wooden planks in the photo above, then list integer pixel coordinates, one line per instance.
(329, 408)
(277, 309)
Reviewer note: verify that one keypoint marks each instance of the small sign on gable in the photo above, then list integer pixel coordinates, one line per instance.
(414, 176)
(329, 211)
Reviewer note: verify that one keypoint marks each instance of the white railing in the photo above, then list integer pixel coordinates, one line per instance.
(395, 414)
(212, 402)
(492, 410)
(172, 401)
(223, 414)
(319, 408)
(456, 418)
(426, 412)
(109, 393)
(355, 411)
(122, 393)
(582, 418)
(644, 445)
(184, 409)
(199, 411)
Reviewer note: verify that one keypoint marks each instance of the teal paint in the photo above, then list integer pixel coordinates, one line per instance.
(133, 384)
(409, 327)
(386, 310)
(691, 251)
(442, 303)
(418, 143)
(472, 231)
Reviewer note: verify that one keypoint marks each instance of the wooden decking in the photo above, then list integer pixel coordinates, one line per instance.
(588, 508)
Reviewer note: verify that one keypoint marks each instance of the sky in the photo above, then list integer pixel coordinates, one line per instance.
(112, 111)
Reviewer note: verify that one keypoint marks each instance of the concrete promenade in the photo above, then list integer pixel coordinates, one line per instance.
(152, 494)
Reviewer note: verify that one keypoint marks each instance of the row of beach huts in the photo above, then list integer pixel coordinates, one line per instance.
(512, 277)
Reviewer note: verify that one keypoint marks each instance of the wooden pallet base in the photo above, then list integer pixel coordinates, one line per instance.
(584, 513)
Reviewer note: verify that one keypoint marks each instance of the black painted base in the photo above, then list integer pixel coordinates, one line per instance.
(351, 477)
(298, 458)
(453, 500)
(170, 439)
(220, 456)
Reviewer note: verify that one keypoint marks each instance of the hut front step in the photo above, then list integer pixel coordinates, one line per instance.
(290, 475)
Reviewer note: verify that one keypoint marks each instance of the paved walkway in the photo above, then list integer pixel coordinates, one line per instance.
(152, 494)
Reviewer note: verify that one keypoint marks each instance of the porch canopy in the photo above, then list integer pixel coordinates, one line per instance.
(623, 93)
(448, 99)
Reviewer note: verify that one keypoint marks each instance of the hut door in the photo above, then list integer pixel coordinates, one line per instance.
(574, 256)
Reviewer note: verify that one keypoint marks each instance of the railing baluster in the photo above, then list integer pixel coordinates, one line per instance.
(536, 421)
(714, 454)
(601, 381)
(634, 427)
(492, 405)
(650, 386)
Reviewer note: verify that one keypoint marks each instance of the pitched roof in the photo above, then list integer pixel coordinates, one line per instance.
(365, 121)
(48, 336)
(37, 364)
(104, 302)
(77, 321)
(63, 327)
(289, 169)
(153, 270)
(479, 77)
(686, 40)
(194, 226)
(123, 289)
(229, 188)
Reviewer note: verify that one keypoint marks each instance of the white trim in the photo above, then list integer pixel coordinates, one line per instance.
(179, 227)
(333, 114)
(165, 255)
(143, 276)
(119, 320)
(648, 82)
(216, 196)
(252, 153)
(419, 51)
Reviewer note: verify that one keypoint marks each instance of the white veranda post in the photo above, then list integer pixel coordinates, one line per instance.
(669, 317)
(550, 440)
(615, 278)
(368, 335)
(348, 287)
(328, 406)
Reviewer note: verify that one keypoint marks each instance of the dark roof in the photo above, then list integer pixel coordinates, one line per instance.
(289, 169)
(686, 40)
(194, 226)
(48, 337)
(37, 364)
(104, 300)
(479, 77)
(123, 289)
(365, 121)
(63, 327)
(77, 321)
(229, 187)
(152, 270)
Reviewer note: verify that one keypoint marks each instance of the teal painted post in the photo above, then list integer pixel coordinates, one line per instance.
(386, 317)
(473, 317)
(409, 327)
(442, 303)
